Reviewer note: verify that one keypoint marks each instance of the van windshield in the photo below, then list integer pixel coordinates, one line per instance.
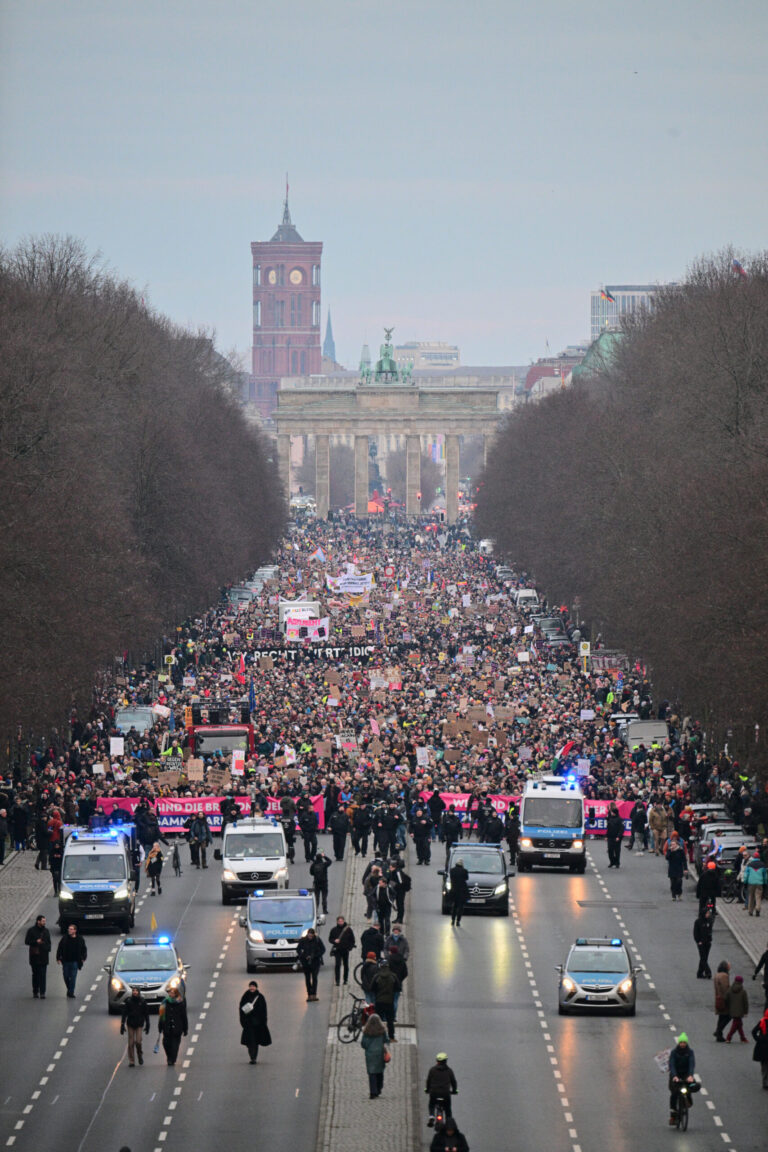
(242, 845)
(552, 812)
(293, 911)
(208, 743)
(94, 866)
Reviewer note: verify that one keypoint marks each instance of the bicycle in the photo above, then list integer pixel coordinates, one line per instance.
(683, 1102)
(350, 1026)
(732, 888)
(176, 860)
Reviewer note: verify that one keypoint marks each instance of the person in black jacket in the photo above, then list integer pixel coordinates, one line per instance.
(253, 1021)
(762, 964)
(342, 940)
(318, 870)
(450, 1139)
(421, 830)
(459, 890)
(614, 834)
(38, 940)
(310, 951)
(173, 1023)
(702, 934)
(452, 830)
(308, 828)
(136, 1020)
(441, 1085)
(71, 954)
(339, 826)
(362, 819)
(708, 886)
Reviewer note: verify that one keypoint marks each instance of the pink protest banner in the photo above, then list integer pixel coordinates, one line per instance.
(173, 812)
(597, 810)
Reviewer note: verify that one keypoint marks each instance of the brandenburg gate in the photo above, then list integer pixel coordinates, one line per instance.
(384, 402)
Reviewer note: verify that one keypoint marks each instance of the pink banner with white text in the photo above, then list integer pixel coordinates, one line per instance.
(172, 812)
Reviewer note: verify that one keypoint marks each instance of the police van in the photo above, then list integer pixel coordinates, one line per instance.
(552, 824)
(252, 853)
(97, 878)
(274, 923)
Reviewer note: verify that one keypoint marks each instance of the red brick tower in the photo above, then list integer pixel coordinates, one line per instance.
(286, 310)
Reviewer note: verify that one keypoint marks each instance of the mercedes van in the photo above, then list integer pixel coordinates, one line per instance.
(97, 879)
(253, 855)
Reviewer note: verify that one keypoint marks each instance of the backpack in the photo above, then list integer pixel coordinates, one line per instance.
(406, 882)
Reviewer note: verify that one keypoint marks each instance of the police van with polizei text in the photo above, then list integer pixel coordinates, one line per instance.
(552, 828)
(274, 923)
(97, 878)
(253, 854)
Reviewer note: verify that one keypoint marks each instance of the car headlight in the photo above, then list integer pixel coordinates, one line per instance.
(228, 875)
(65, 894)
(121, 893)
(625, 986)
(256, 936)
(447, 885)
(116, 985)
(174, 982)
(578, 843)
(525, 843)
(568, 984)
(500, 888)
(281, 874)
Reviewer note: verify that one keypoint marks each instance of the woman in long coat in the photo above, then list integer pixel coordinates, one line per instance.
(253, 1021)
(374, 1042)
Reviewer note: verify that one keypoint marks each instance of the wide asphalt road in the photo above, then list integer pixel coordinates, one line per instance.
(65, 1083)
(530, 1079)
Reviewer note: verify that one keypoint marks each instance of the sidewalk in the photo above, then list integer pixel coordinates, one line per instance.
(349, 1121)
(751, 932)
(21, 891)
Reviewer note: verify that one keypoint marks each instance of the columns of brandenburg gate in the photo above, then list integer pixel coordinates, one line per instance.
(361, 476)
(451, 478)
(412, 475)
(323, 475)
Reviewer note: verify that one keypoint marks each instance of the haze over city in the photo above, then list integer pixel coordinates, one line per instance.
(473, 172)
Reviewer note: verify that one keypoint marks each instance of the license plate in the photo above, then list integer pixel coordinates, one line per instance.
(596, 996)
(477, 900)
(551, 855)
(94, 916)
(286, 955)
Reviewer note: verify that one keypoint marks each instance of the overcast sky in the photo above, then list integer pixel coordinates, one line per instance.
(473, 169)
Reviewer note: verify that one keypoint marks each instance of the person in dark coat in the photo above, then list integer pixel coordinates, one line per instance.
(384, 986)
(136, 1020)
(383, 906)
(614, 835)
(308, 827)
(339, 827)
(677, 865)
(449, 1139)
(41, 835)
(362, 818)
(310, 951)
(399, 883)
(708, 886)
(459, 890)
(38, 940)
(372, 941)
(702, 934)
(318, 870)
(3, 833)
(253, 1021)
(436, 806)
(153, 866)
(173, 1023)
(760, 1051)
(762, 965)
(71, 954)
(452, 830)
(373, 1042)
(441, 1085)
(342, 941)
(55, 862)
(512, 831)
(421, 830)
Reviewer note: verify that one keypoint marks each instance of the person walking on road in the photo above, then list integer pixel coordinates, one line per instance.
(55, 860)
(755, 880)
(342, 940)
(153, 866)
(373, 1042)
(173, 1023)
(318, 870)
(639, 827)
(459, 891)
(339, 827)
(310, 952)
(71, 954)
(253, 1021)
(614, 834)
(383, 987)
(760, 1053)
(737, 1002)
(450, 1139)
(38, 940)
(721, 983)
(702, 934)
(677, 866)
(708, 886)
(136, 1021)
(200, 839)
(762, 966)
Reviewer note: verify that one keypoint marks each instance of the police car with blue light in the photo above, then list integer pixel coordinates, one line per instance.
(97, 878)
(552, 824)
(274, 923)
(149, 963)
(598, 973)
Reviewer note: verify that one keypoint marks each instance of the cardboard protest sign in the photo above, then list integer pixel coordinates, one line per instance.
(452, 755)
(195, 769)
(170, 779)
(323, 749)
(266, 663)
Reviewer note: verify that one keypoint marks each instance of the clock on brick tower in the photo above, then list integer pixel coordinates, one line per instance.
(286, 310)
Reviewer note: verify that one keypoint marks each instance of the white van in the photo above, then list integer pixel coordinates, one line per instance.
(97, 879)
(527, 599)
(649, 733)
(253, 855)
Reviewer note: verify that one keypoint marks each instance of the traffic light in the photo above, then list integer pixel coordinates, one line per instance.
(418, 497)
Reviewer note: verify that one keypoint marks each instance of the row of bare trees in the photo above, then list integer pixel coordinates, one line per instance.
(643, 491)
(132, 487)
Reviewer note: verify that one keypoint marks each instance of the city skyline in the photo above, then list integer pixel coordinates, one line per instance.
(473, 177)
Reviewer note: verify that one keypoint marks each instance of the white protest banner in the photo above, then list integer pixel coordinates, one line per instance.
(587, 714)
(523, 657)
(117, 745)
(422, 757)
(528, 629)
(188, 681)
(238, 762)
(582, 767)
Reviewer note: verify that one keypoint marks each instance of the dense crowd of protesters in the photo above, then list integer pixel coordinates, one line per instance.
(437, 680)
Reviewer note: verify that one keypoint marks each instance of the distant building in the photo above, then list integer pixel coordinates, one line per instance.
(552, 372)
(609, 304)
(427, 354)
(286, 311)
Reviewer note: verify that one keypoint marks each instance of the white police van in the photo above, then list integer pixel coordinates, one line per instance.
(97, 879)
(274, 923)
(552, 824)
(252, 853)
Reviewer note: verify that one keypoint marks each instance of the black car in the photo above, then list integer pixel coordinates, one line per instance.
(488, 878)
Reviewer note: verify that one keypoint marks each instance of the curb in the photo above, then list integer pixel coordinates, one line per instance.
(7, 938)
(737, 927)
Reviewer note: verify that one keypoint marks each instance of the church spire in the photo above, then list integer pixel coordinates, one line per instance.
(329, 344)
(286, 209)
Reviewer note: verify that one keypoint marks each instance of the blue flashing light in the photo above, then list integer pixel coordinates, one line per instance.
(616, 943)
(74, 835)
(581, 940)
(303, 892)
(163, 939)
(129, 940)
(259, 892)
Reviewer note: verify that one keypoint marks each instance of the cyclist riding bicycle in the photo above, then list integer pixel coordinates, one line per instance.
(682, 1064)
(441, 1085)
